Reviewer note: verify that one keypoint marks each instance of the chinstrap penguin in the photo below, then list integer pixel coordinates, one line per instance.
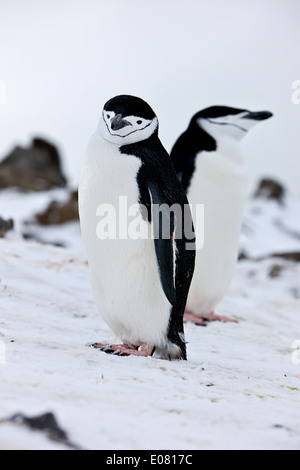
(211, 167)
(140, 284)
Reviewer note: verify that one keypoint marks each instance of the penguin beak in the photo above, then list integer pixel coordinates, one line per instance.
(118, 123)
(258, 116)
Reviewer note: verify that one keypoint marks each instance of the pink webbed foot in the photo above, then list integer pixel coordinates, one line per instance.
(193, 318)
(213, 317)
(202, 320)
(144, 350)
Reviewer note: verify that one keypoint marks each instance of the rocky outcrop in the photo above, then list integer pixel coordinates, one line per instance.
(290, 256)
(60, 213)
(270, 189)
(5, 226)
(35, 168)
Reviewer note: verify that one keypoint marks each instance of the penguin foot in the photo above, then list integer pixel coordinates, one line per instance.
(144, 350)
(193, 318)
(213, 317)
(202, 320)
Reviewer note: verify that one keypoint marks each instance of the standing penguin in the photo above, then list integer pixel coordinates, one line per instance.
(140, 281)
(210, 165)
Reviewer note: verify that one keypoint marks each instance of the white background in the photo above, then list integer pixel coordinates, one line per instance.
(62, 59)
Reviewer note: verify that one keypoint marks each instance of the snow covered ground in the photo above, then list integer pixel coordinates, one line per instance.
(239, 389)
(270, 227)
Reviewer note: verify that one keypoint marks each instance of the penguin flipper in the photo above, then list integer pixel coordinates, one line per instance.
(163, 228)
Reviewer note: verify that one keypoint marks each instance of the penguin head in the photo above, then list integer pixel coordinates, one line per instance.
(126, 120)
(220, 121)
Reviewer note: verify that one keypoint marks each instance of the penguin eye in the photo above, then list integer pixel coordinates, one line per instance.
(108, 116)
(139, 122)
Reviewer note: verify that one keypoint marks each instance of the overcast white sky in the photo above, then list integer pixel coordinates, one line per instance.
(62, 59)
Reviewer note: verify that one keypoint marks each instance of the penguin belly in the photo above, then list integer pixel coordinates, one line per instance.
(220, 185)
(124, 274)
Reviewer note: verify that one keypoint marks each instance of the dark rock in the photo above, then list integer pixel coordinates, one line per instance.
(243, 256)
(5, 226)
(275, 271)
(36, 168)
(59, 213)
(46, 423)
(270, 189)
(290, 256)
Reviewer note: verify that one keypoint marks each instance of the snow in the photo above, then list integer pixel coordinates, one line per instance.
(271, 227)
(23, 207)
(239, 389)
(18, 438)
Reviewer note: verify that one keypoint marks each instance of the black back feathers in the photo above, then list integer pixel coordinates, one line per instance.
(217, 111)
(189, 144)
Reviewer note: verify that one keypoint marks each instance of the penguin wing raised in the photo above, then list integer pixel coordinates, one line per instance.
(163, 228)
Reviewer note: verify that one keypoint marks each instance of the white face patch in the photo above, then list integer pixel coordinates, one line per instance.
(235, 126)
(130, 129)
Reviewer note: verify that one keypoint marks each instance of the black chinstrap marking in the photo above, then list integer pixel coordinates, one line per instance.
(228, 124)
(130, 133)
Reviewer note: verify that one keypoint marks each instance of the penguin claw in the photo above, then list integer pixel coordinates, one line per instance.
(124, 349)
(93, 345)
(99, 345)
(108, 350)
